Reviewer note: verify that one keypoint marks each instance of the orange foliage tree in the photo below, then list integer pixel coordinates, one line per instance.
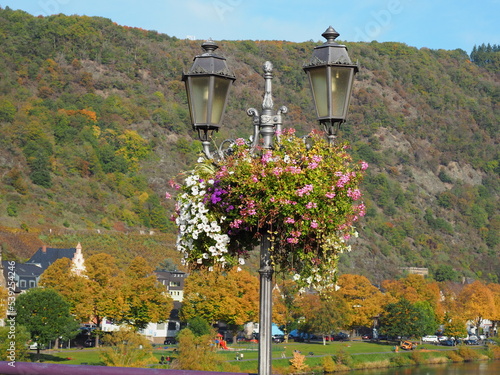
(364, 300)
(476, 302)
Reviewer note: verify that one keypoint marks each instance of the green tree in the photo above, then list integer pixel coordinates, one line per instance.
(445, 272)
(200, 327)
(405, 319)
(45, 314)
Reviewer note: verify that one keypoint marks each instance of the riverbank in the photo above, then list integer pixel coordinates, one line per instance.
(312, 357)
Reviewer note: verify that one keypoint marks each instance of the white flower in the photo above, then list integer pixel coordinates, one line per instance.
(296, 277)
(241, 261)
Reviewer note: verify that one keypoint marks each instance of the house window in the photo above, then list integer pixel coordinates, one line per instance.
(32, 283)
(22, 283)
(175, 283)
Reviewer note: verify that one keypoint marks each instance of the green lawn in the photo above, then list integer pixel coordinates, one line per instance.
(359, 352)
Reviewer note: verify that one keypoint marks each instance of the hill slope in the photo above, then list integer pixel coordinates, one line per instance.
(94, 123)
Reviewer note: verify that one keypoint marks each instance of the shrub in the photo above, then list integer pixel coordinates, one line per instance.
(344, 358)
(400, 361)
(468, 354)
(493, 352)
(298, 363)
(328, 364)
(417, 357)
(454, 357)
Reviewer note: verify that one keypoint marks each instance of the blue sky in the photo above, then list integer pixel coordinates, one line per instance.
(446, 24)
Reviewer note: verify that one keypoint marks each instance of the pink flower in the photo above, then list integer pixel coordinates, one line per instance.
(289, 220)
(311, 205)
(344, 179)
(354, 194)
(240, 141)
(314, 224)
(306, 190)
(255, 178)
(236, 223)
(277, 171)
(317, 158)
(364, 165)
(174, 184)
(330, 195)
(312, 165)
(168, 195)
(293, 169)
(295, 233)
(292, 240)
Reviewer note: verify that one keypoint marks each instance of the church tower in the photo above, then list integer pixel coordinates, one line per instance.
(78, 263)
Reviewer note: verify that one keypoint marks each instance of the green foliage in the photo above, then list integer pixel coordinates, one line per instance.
(402, 318)
(199, 326)
(445, 272)
(45, 314)
(13, 342)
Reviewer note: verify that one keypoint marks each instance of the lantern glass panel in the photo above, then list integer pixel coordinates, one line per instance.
(198, 98)
(318, 80)
(340, 84)
(221, 88)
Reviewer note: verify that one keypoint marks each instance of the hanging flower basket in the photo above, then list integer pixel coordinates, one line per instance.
(303, 195)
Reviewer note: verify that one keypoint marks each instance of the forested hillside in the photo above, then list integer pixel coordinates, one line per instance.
(94, 123)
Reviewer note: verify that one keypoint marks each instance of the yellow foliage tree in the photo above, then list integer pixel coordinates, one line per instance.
(363, 299)
(415, 288)
(476, 303)
(127, 348)
(232, 297)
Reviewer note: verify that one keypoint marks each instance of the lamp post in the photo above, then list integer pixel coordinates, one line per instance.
(331, 75)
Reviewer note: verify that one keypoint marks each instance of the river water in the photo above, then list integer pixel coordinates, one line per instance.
(470, 368)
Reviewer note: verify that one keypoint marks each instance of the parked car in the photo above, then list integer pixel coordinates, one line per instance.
(90, 343)
(170, 341)
(447, 342)
(278, 338)
(408, 345)
(341, 336)
(34, 346)
(430, 338)
(471, 342)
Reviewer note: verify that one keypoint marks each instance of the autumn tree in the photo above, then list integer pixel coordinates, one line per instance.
(477, 303)
(454, 326)
(323, 314)
(284, 307)
(495, 318)
(364, 300)
(232, 297)
(415, 288)
(147, 300)
(76, 289)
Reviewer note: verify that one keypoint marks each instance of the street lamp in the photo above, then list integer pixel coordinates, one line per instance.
(207, 86)
(331, 75)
